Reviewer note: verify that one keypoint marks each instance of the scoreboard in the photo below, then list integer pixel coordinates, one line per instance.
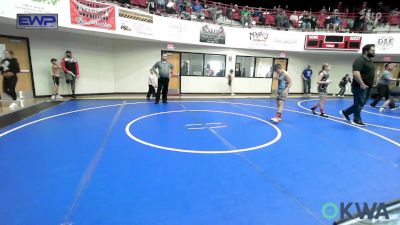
(333, 42)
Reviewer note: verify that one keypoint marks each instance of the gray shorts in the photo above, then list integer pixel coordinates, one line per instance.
(281, 96)
(322, 92)
(69, 77)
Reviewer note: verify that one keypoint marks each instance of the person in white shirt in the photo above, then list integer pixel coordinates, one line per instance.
(294, 19)
(153, 84)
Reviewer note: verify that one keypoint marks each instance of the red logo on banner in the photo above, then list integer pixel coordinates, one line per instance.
(92, 14)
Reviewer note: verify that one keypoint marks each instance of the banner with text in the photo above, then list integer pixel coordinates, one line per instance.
(92, 14)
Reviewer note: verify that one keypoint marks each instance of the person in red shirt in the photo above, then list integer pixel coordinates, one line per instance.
(71, 69)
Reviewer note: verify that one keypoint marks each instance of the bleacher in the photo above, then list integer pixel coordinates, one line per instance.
(231, 16)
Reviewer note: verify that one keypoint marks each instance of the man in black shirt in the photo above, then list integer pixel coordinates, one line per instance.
(345, 80)
(70, 67)
(363, 79)
(165, 71)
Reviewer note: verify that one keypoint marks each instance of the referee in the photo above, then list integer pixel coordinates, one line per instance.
(165, 70)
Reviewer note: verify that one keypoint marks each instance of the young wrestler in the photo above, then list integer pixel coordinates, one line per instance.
(284, 84)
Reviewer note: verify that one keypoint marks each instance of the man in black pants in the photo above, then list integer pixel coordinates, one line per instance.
(165, 70)
(71, 70)
(395, 93)
(346, 79)
(9, 68)
(383, 86)
(363, 79)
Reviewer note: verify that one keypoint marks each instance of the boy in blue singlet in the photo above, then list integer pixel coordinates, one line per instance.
(284, 84)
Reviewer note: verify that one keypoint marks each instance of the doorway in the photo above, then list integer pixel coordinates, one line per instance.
(174, 87)
(284, 63)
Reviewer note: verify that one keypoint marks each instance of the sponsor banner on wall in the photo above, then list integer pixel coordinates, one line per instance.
(137, 28)
(11, 8)
(173, 30)
(265, 39)
(36, 6)
(37, 21)
(92, 14)
(258, 38)
(136, 23)
(385, 42)
(212, 34)
(285, 40)
(135, 16)
(48, 2)
(176, 30)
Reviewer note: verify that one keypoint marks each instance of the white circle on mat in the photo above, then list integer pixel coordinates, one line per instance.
(131, 135)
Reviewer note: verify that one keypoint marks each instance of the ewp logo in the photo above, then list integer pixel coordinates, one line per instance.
(37, 21)
(331, 211)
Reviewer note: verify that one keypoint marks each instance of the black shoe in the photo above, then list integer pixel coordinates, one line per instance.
(147, 98)
(347, 117)
(313, 111)
(73, 96)
(164, 102)
(156, 102)
(324, 115)
(359, 123)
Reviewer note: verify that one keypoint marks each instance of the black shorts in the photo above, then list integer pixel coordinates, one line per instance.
(384, 91)
(395, 92)
(56, 81)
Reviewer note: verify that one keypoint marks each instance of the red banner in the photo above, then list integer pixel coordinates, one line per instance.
(92, 14)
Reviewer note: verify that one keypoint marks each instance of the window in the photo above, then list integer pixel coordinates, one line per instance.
(214, 65)
(197, 64)
(191, 64)
(264, 67)
(244, 66)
